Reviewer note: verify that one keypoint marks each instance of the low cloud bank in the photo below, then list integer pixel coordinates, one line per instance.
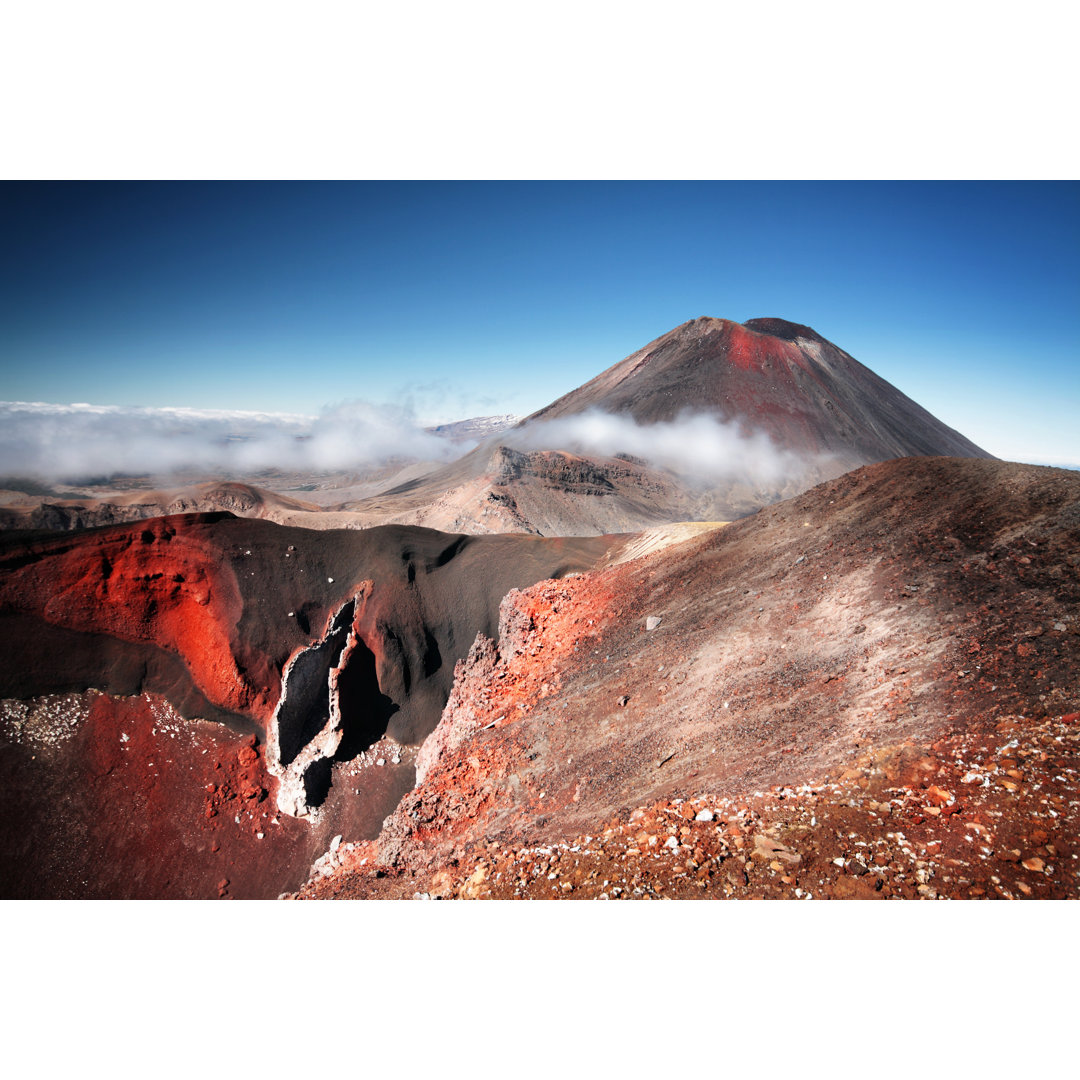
(697, 446)
(63, 442)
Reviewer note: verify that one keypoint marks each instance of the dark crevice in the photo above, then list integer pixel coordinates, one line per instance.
(317, 782)
(306, 707)
(432, 655)
(450, 552)
(365, 709)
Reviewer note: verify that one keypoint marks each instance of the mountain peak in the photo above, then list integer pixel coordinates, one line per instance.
(770, 326)
(781, 328)
(780, 378)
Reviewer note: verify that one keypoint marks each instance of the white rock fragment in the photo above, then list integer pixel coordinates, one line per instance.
(335, 843)
(330, 580)
(704, 815)
(672, 842)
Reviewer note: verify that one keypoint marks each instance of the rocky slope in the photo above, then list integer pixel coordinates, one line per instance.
(61, 514)
(869, 690)
(866, 690)
(320, 646)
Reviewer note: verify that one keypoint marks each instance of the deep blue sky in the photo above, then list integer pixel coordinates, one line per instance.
(467, 298)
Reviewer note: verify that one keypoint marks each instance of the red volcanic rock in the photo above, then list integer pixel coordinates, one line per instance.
(208, 611)
(163, 583)
(235, 599)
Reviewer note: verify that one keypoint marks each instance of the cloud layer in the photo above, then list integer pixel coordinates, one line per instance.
(697, 446)
(79, 442)
(58, 442)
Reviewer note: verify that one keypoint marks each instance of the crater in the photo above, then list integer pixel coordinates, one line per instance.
(332, 708)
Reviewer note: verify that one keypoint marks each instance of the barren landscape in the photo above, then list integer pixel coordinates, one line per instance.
(841, 663)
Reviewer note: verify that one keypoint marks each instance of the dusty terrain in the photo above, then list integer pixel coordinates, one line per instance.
(881, 671)
(537, 671)
(869, 690)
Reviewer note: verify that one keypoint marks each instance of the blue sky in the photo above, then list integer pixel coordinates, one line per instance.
(469, 298)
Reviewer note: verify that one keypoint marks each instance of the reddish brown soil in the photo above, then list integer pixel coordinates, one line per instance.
(862, 649)
(123, 798)
(991, 814)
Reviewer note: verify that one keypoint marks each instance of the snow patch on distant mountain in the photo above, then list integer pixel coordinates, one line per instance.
(479, 427)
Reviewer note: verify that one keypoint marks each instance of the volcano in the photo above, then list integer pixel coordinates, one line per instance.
(774, 376)
(809, 408)
(769, 391)
(863, 687)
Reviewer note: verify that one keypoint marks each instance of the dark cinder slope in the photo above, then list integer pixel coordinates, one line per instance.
(781, 378)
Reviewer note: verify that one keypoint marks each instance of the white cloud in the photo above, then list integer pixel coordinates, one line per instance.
(694, 445)
(70, 441)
